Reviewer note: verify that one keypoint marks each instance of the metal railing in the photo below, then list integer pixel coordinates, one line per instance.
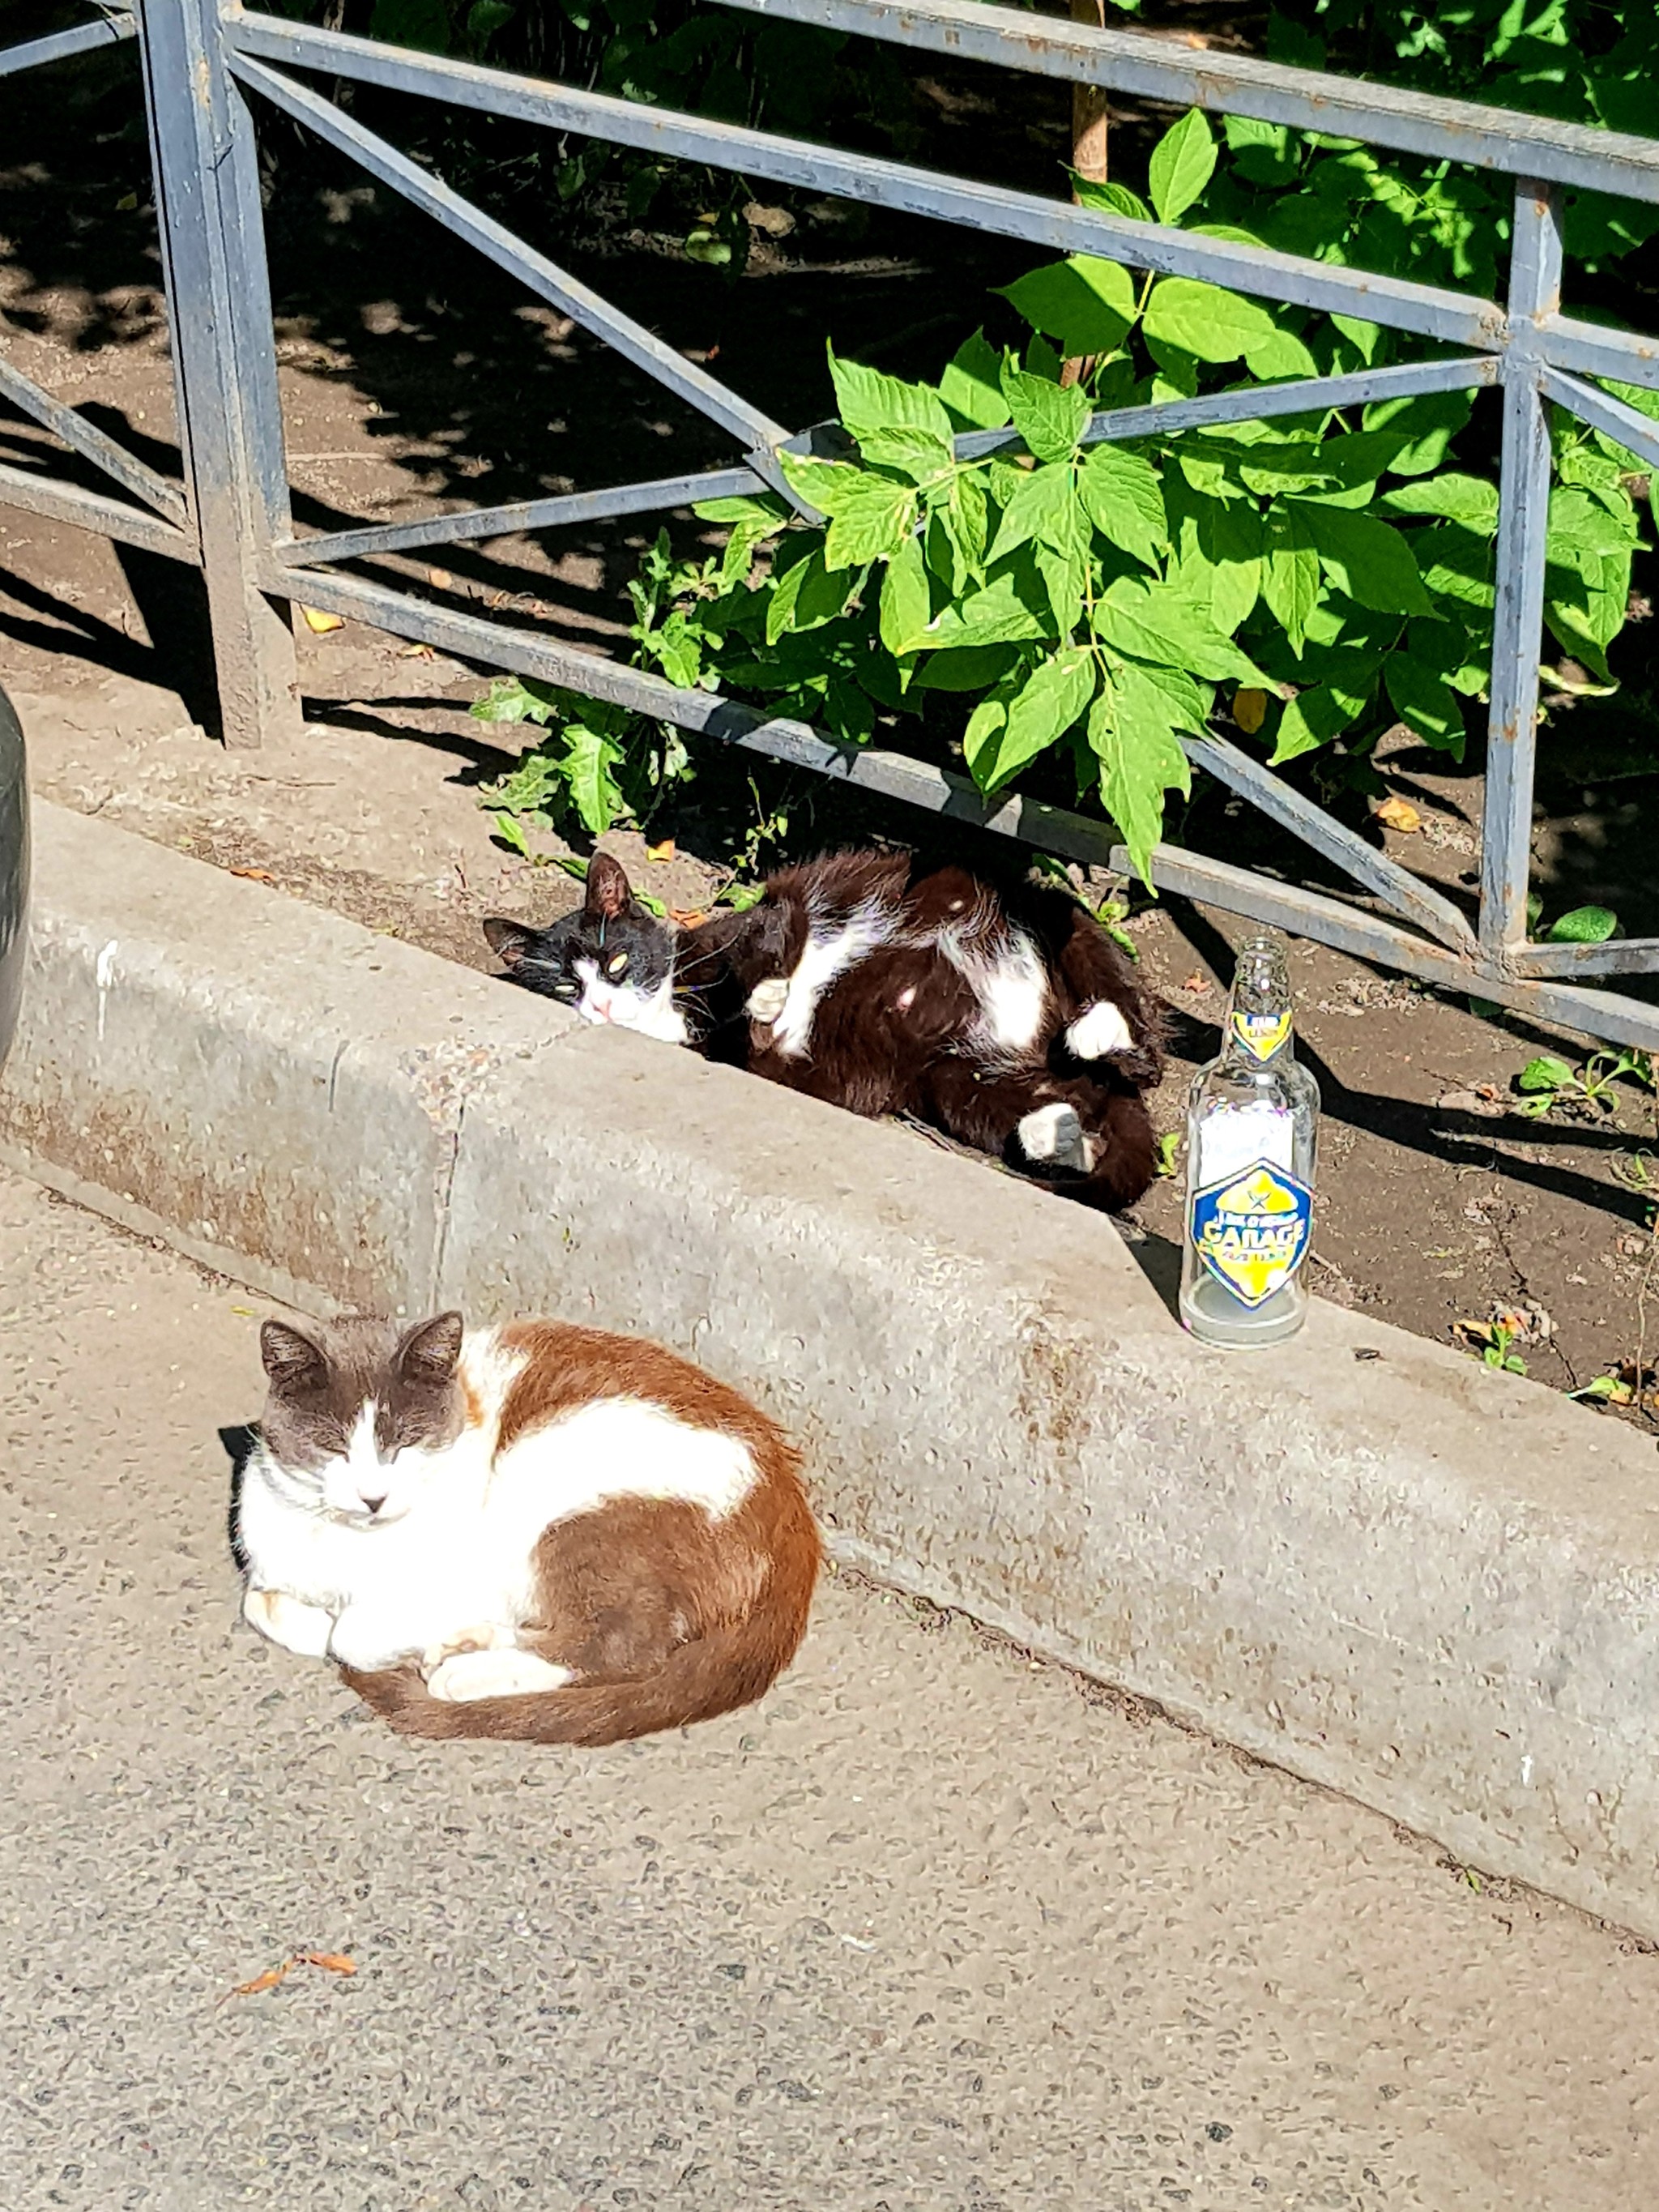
(231, 514)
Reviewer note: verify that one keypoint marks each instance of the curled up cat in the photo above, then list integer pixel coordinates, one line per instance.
(1003, 1015)
(536, 1532)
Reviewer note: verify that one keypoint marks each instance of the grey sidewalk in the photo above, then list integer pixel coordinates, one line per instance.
(929, 1930)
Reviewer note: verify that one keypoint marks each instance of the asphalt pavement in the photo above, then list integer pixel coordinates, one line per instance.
(934, 1929)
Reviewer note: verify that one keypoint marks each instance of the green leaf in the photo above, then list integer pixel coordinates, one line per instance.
(510, 831)
(971, 387)
(872, 518)
(1263, 153)
(1428, 420)
(872, 407)
(1132, 735)
(1086, 305)
(1064, 574)
(1585, 925)
(767, 514)
(969, 668)
(1220, 557)
(588, 765)
(1361, 336)
(1544, 1073)
(1122, 497)
(1424, 701)
(1041, 503)
(510, 699)
(1164, 622)
(1049, 417)
(1280, 353)
(999, 615)
(1111, 200)
(1043, 709)
(1456, 564)
(1368, 561)
(1289, 579)
(1203, 320)
(1182, 163)
(1471, 500)
(1312, 719)
(905, 603)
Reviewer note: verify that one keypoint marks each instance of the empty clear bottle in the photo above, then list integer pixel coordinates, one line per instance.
(1252, 1130)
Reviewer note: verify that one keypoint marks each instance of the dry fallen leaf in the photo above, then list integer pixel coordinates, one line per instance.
(1250, 710)
(686, 917)
(415, 652)
(322, 623)
(1196, 982)
(255, 875)
(332, 1962)
(663, 852)
(440, 578)
(1399, 814)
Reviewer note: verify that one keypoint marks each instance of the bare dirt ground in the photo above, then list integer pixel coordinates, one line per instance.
(414, 379)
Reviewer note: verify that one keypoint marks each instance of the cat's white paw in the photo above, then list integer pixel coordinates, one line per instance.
(765, 1002)
(1053, 1137)
(487, 1636)
(469, 1676)
(1099, 1030)
(369, 1640)
(289, 1621)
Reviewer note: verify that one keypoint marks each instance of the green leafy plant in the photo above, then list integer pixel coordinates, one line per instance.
(1549, 1082)
(598, 765)
(1167, 1157)
(1494, 1341)
(1094, 603)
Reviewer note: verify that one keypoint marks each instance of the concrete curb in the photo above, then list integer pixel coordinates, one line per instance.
(1431, 1586)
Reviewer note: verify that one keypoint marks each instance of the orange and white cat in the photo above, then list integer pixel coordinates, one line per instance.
(536, 1532)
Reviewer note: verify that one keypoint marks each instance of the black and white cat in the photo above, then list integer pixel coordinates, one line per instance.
(1003, 1015)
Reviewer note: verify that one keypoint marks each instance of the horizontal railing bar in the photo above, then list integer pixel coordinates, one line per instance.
(1467, 131)
(1259, 402)
(62, 44)
(1051, 828)
(1384, 878)
(91, 510)
(501, 646)
(1638, 432)
(567, 293)
(1600, 1014)
(485, 522)
(1456, 318)
(1621, 956)
(1593, 349)
(93, 445)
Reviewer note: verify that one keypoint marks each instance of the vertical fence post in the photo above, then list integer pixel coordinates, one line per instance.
(1518, 616)
(205, 164)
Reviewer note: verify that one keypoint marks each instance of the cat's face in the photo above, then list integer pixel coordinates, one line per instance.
(610, 961)
(361, 1412)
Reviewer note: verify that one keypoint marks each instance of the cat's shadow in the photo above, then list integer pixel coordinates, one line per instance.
(239, 1443)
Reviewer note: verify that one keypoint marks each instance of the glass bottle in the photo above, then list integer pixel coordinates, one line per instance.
(1252, 1129)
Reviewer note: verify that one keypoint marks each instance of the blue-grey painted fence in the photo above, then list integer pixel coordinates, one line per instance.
(231, 514)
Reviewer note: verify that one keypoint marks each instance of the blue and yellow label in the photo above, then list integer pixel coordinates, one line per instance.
(1252, 1230)
(1261, 1035)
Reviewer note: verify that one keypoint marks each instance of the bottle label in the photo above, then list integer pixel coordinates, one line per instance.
(1261, 1035)
(1252, 1230)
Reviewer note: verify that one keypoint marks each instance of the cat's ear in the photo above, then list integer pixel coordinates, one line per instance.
(509, 940)
(429, 1352)
(609, 891)
(292, 1360)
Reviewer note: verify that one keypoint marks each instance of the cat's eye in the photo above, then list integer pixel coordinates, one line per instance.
(618, 966)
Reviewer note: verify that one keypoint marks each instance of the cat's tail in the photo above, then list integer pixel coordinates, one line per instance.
(730, 1665)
